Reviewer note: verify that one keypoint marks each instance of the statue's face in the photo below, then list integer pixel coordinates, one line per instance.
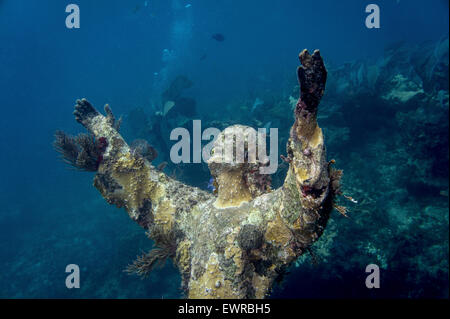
(234, 153)
(234, 149)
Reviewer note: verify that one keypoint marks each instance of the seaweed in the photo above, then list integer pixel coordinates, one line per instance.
(165, 248)
(83, 152)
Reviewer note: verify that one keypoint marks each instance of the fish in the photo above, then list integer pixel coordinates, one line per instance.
(218, 37)
(203, 57)
(354, 201)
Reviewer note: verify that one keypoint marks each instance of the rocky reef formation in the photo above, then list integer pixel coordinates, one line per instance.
(389, 119)
(405, 92)
(237, 244)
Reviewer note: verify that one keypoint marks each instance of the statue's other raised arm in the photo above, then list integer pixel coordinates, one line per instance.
(125, 177)
(309, 186)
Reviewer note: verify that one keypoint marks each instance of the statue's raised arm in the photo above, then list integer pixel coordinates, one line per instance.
(124, 175)
(310, 184)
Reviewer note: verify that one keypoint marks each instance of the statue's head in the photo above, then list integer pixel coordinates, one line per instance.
(235, 165)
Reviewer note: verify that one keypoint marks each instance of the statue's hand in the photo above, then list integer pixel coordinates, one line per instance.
(84, 112)
(312, 77)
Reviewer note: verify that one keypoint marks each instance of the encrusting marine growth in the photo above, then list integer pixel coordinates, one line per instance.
(234, 245)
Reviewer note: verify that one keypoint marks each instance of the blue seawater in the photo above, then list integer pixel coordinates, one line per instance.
(384, 115)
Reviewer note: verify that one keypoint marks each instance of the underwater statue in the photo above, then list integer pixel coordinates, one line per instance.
(235, 244)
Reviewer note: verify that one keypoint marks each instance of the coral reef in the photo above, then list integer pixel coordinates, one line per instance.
(235, 245)
(393, 113)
